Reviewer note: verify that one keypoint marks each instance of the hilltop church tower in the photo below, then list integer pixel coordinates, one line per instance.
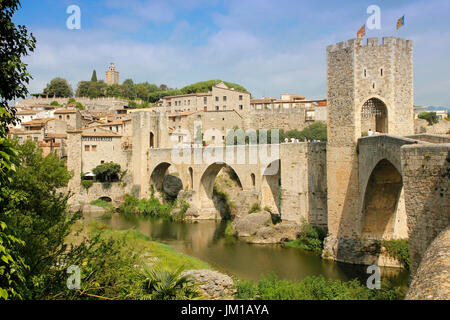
(369, 87)
(112, 76)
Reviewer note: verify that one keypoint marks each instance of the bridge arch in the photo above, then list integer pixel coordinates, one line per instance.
(383, 212)
(159, 173)
(206, 187)
(271, 186)
(105, 198)
(374, 115)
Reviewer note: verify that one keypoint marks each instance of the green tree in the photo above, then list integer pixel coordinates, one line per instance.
(42, 219)
(431, 117)
(94, 76)
(112, 91)
(15, 43)
(128, 89)
(59, 87)
(83, 89)
(108, 171)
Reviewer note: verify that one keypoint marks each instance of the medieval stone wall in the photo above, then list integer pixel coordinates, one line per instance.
(426, 174)
(432, 279)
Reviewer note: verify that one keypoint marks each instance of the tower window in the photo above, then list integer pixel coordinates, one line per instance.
(365, 73)
(373, 85)
(381, 72)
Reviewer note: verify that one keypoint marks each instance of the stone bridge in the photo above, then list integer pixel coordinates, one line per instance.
(402, 183)
(289, 178)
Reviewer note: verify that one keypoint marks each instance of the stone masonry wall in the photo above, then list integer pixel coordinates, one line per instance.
(426, 174)
(432, 279)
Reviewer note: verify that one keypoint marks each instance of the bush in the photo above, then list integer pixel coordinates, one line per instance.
(310, 239)
(163, 284)
(229, 231)
(270, 287)
(54, 103)
(107, 172)
(398, 249)
(430, 117)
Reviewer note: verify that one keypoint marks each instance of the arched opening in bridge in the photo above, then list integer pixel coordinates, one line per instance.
(374, 117)
(271, 187)
(107, 199)
(252, 176)
(191, 178)
(165, 181)
(383, 212)
(152, 140)
(219, 185)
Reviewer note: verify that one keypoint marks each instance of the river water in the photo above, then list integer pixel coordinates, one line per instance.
(206, 241)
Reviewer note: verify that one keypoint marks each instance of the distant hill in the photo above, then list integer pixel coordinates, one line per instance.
(434, 108)
(205, 86)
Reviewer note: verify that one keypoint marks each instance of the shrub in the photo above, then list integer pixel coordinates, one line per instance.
(310, 239)
(229, 231)
(163, 284)
(255, 208)
(107, 172)
(430, 117)
(398, 249)
(54, 103)
(270, 287)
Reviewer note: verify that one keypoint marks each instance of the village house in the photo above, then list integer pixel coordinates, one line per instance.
(220, 97)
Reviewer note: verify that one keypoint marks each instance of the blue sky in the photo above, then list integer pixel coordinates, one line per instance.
(268, 46)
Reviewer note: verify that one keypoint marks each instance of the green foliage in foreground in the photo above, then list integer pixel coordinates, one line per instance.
(163, 284)
(255, 208)
(310, 239)
(398, 249)
(270, 287)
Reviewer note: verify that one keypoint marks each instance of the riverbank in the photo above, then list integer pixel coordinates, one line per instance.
(268, 286)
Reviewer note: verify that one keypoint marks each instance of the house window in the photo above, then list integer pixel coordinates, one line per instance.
(224, 107)
(86, 148)
(240, 97)
(217, 98)
(217, 108)
(204, 100)
(68, 117)
(60, 117)
(224, 98)
(102, 162)
(241, 107)
(94, 148)
(213, 138)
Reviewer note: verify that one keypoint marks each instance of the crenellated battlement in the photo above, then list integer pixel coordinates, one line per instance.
(400, 43)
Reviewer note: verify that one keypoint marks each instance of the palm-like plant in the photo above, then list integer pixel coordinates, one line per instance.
(163, 284)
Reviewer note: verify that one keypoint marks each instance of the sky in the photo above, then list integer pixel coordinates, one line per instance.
(268, 46)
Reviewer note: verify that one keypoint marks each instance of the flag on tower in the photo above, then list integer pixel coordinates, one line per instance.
(400, 22)
(361, 32)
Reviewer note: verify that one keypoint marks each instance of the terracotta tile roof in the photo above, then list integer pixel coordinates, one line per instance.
(100, 133)
(48, 144)
(66, 111)
(25, 112)
(56, 135)
(182, 114)
(37, 122)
